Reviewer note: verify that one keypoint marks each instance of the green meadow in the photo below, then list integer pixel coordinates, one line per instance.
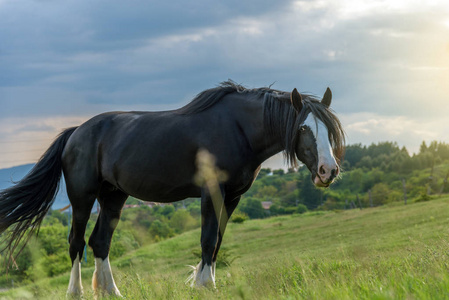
(389, 252)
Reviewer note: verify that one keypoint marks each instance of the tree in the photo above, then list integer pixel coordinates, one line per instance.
(289, 199)
(194, 209)
(291, 171)
(182, 221)
(159, 230)
(423, 148)
(55, 216)
(167, 211)
(365, 162)
(309, 195)
(279, 172)
(379, 194)
(53, 238)
(300, 209)
(354, 153)
(263, 172)
(267, 191)
(252, 207)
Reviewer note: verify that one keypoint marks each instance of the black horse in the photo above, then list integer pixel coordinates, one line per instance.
(152, 155)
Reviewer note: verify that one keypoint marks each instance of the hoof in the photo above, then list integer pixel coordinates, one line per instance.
(202, 276)
(75, 289)
(103, 282)
(74, 294)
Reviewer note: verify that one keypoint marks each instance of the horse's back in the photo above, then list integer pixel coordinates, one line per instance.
(139, 152)
(152, 156)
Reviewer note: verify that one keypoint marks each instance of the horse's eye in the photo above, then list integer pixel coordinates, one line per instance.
(302, 128)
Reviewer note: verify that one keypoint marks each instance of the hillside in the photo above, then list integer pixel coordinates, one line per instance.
(9, 175)
(388, 252)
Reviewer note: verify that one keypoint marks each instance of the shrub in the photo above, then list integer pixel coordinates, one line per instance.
(56, 264)
(160, 230)
(423, 197)
(277, 210)
(122, 242)
(301, 208)
(252, 207)
(239, 217)
(182, 221)
(224, 258)
(290, 210)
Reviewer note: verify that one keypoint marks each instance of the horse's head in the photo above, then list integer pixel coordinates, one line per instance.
(318, 142)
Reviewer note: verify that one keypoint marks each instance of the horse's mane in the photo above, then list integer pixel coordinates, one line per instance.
(280, 117)
(210, 97)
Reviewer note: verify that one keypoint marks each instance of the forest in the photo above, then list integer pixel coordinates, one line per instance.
(373, 175)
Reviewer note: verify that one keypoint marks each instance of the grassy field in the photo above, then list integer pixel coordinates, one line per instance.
(390, 252)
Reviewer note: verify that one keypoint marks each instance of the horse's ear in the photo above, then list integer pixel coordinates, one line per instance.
(296, 100)
(327, 98)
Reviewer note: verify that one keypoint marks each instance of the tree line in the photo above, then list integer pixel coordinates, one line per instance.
(372, 175)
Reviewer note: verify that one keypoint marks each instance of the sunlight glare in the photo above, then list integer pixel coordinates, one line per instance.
(350, 9)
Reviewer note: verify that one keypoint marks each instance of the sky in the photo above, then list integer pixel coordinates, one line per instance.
(62, 62)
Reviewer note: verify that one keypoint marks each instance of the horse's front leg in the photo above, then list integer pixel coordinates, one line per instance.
(214, 217)
(211, 213)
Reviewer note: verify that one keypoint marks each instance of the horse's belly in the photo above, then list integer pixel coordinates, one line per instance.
(164, 193)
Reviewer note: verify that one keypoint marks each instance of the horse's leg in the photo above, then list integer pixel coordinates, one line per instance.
(230, 207)
(81, 208)
(203, 274)
(213, 224)
(111, 201)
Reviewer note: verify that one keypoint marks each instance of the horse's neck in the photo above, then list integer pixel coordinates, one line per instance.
(251, 118)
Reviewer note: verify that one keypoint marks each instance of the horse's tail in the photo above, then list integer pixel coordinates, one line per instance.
(24, 205)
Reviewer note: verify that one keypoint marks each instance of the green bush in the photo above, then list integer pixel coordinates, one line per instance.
(423, 197)
(224, 258)
(239, 217)
(159, 230)
(301, 208)
(56, 264)
(181, 221)
(252, 207)
(123, 241)
(290, 210)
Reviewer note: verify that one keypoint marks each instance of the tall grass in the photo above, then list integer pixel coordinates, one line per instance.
(395, 252)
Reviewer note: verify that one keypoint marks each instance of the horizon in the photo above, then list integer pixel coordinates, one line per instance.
(278, 161)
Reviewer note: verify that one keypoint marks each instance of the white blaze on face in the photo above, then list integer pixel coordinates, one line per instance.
(326, 160)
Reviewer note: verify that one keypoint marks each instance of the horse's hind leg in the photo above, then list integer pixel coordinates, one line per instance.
(111, 201)
(81, 208)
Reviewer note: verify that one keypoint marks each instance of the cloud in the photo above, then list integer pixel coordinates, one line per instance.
(36, 128)
(367, 128)
(24, 139)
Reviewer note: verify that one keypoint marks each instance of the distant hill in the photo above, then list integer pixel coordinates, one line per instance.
(14, 174)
